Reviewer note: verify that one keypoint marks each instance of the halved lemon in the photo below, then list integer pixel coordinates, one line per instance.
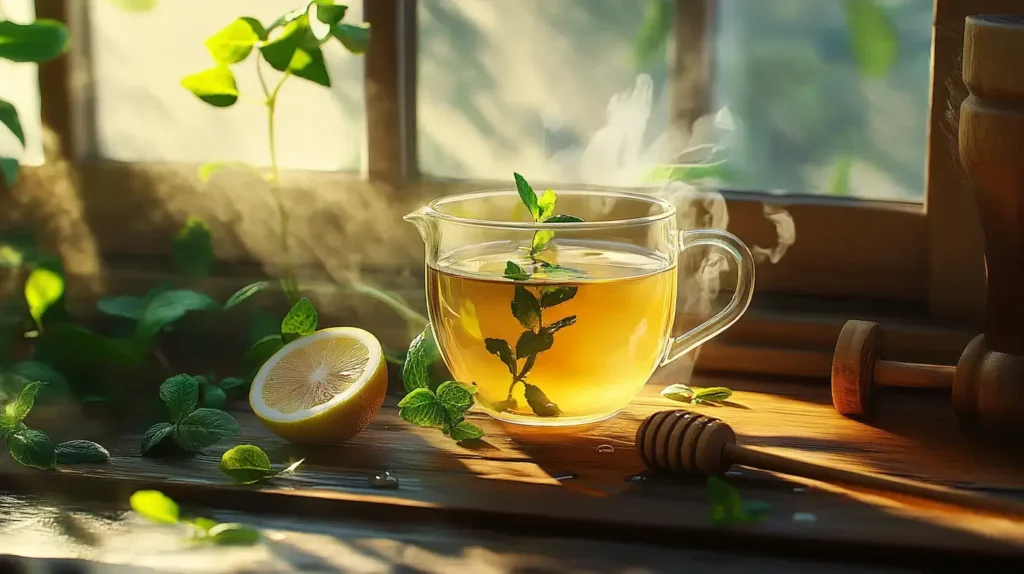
(323, 388)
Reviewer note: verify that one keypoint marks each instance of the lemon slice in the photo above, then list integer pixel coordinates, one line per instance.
(322, 388)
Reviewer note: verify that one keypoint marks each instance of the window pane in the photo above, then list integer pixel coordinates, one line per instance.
(143, 114)
(19, 85)
(816, 118)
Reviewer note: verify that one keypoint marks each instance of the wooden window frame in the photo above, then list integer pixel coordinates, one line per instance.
(895, 262)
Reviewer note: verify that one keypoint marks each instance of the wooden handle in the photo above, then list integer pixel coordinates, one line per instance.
(765, 461)
(913, 375)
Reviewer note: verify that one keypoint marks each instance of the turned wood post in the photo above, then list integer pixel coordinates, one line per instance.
(989, 386)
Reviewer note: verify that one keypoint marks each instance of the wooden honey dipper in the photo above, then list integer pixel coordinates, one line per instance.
(683, 442)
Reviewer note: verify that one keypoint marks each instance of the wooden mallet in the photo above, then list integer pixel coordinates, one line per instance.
(683, 442)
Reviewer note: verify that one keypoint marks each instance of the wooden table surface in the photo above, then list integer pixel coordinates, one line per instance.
(553, 499)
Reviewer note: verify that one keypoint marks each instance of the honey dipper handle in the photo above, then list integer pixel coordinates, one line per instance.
(765, 461)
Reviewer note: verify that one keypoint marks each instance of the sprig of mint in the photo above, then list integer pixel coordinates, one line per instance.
(248, 464)
(542, 208)
(444, 407)
(190, 428)
(727, 507)
(33, 448)
(301, 320)
(157, 507)
(685, 394)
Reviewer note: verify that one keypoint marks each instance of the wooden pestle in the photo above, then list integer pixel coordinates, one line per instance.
(683, 442)
(989, 389)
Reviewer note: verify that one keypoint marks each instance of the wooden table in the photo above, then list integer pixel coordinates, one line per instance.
(545, 500)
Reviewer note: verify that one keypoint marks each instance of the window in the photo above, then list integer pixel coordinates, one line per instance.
(21, 88)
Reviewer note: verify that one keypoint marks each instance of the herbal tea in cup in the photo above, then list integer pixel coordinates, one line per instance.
(559, 308)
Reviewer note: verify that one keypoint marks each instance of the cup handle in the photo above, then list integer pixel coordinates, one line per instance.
(724, 319)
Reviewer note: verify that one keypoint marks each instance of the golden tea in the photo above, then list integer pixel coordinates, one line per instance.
(567, 339)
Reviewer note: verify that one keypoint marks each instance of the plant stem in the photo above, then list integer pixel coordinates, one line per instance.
(529, 361)
(288, 282)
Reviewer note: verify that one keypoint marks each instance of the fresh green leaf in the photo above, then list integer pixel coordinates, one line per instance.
(246, 464)
(423, 352)
(9, 118)
(214, 397)
(280, 50)
(711, 395)
(203, 428)
(155, 435)
(515, 272)
(501, 348)
(531, 343)
(193, 249)
(9, 170)
(327, 11)
(541, 240)
(678, 392)
(265, 348)
(546, 204)
(728, 508)
(167, 307)
(309, 64)
(874, 38)
(233, 534)
(231, 383)
(81, 451)
(42, 289)
(234, 43)
(202, 525)
(153, 505)
(455, 399)
(465, 431)
(525, 307)
(215, 86)
(355, 37)
(528, 196)
(24, 403)
(539, 402)
(562, 218)
(126, 306)
(32, 448)
(245, 292)
(181, 394)
(560, 324)
(301, 320)
(421, 407)
(39, 41)
(551, 296)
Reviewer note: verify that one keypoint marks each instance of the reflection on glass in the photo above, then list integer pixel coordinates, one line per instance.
(143, 113)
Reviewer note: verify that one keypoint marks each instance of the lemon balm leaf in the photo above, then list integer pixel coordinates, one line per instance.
(525, 307)
(81, 451)
(503, 350)
(466, 431)
(515, 272)
(546, 204)
(539, 402)
(155, 435)
(154, 506)
(204, 427)
(528, 196)
(423, 352)
(301, 320)
(24, 403)
(32, 448)
(421, 407)
(551, 296)
(42, 289)
(244, 293)
(455, 399)
(181, 394)
(246, 464)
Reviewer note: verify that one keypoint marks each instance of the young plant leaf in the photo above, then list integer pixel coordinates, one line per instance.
(215, 86)
(465, 431)
(561, 218)
(455, 399)
(678, 392)
(244, 293)
(501, 348)
(301, 320)
(125, 306)
(155, 435)
(327, 11)
(154, 506)
(233, 534)
(168, 307)
(42, 289)
(234, 43)
(539, 402)
(203, 428)
(711, 395)
(528, 196)
(192, 249)
(39, 41)
(546, 204)
(423, 352)
(551, 296)
(531, 343)
(355, 37)
(421, 407)
(525, 307)
(560, 324)
(81, 451)
(214, 397)
(540, 241)
(9, 118)
(18, 410)
(308, 64)
(32, 448)
(280, 51)
(515, 272)
(246, 464)
(181, 394)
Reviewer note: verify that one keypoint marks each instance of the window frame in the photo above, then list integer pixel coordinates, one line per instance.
(908, 265)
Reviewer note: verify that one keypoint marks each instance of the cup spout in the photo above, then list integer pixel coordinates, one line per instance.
(425, 224)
